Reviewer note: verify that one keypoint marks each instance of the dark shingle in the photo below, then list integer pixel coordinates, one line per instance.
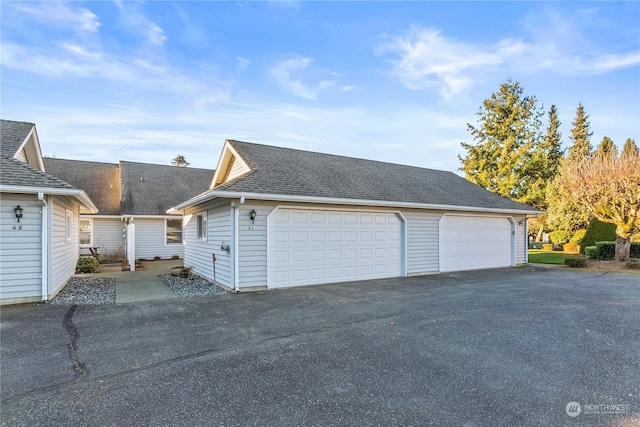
(101, 181)
(285, 171)
(15, 172)
(152, 189)
(12, 135)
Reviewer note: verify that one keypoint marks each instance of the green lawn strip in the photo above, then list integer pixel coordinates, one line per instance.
(537, 256)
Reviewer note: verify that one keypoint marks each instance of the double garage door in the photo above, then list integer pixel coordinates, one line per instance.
(309, 247)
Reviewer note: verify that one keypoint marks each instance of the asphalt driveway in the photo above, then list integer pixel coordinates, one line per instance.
(498, 347)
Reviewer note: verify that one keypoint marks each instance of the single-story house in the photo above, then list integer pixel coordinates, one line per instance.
(39, 214)
(278, 217)
(132, 199)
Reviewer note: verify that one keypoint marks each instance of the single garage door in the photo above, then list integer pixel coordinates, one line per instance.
(472, 242)
(308, 247)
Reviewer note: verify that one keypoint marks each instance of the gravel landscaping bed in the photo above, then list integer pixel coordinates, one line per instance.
(87, 290)
(193, 287)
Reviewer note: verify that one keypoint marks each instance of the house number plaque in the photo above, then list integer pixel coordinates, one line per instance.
(17, 227)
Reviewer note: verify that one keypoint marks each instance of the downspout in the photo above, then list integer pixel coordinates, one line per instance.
(45, 248)
(234, 245)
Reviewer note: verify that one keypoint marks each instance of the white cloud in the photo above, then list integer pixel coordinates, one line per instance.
(56, 14)
(135, 20)
(283, 74)
(242, 63)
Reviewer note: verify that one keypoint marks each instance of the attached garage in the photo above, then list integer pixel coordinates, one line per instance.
(476, 242)
(307, 247)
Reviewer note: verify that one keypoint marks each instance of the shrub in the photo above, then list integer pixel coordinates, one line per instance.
(184, 272)
(606, 250)
(591, 252)
(575, 261)
(87, 265)
(635, 250)
(571, 247)
(547, 247)
(578, 236)
(560, 236)
(598, 231)
(634, 263)
(157, 258)
(175, 257)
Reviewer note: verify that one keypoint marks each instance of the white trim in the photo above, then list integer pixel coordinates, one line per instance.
(211, 194)
(222, 160)
(201, 227)
(175, 218)
(125, 216)
(44, 265)
(82, 197)
(68, 227)
(33, 132)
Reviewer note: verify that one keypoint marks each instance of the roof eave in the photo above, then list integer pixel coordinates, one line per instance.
(212, 194)
(79, 195)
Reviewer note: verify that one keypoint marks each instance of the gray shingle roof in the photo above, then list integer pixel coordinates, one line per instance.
(12, 135)
(285, 171)
(152, 189)
(101, 181)
(15, 172)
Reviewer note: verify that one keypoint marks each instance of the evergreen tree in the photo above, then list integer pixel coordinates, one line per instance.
(606, 148)
(508, 146)
(180, 161)
(580, 135)
(630, 148)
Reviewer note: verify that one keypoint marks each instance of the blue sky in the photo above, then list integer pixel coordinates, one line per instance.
(390, 81)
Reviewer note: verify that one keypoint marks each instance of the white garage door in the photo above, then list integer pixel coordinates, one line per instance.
(308, 247)
(470, 243)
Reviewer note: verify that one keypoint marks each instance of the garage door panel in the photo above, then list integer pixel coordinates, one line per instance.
(468, 242)
(332, 246)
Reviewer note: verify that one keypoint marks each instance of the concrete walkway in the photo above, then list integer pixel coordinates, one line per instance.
(141, 285)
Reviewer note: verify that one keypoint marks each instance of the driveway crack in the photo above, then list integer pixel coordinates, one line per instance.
(72, 330)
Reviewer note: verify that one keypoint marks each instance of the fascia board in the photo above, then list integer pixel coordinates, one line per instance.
(328, 200)
(80, 195)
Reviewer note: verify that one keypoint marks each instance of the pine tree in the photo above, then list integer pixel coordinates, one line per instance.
(180, 161)
(508, 146)
(580, 135)
(606, 148)
(630, 148)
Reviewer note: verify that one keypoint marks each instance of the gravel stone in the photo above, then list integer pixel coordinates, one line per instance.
(192, 287)
(87, 290)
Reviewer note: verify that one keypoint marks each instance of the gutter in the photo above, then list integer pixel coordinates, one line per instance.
(82, 197)
(329, 200)
(45, 248)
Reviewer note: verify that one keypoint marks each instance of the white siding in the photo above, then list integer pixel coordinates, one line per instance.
(64, 253)
(197, 253)
(237, 168)
(151, 238)
(521, 241)
(20, 249)
(422, 241)
(21, 156)
(252, 249)
(108, 235)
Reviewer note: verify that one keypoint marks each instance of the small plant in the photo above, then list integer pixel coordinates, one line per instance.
(633, 263)
(591, 252)
(575, 261)
(185, 272)
(157, 258)
(87, 265)
(175, 257)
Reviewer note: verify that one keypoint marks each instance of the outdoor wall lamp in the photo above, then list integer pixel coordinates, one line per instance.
(252, 215)
(18, 210)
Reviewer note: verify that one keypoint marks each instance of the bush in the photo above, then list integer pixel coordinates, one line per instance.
(175, 257)
(598, 231)
(87, 265)
(547, 247)
(560, 236)
(606, 250)
(634, 263)
(591, 252)
(571, 247)
(635, 250)
(575, 261)
(578, 236)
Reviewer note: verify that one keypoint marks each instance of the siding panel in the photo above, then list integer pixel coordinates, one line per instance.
(150, 239)
(108, 235)
(253, 245)
(64, 254)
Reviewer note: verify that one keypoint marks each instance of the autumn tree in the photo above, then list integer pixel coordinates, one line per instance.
(607, 188)
(180, 161)
(510, 157)
(630, 148)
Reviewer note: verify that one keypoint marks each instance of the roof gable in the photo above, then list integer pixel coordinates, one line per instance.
(19, 140)
(230, 166)
(285, 171)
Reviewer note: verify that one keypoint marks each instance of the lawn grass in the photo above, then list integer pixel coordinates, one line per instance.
(538, 256)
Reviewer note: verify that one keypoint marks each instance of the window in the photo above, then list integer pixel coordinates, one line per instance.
(173, 233)
(201, 226)
(68, 226)
(85, 235)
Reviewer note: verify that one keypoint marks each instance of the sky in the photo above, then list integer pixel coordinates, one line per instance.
(391, 81)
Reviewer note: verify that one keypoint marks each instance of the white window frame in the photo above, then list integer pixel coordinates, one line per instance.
(68, 225)
(90, 244)
(201, 227)
(180, 242)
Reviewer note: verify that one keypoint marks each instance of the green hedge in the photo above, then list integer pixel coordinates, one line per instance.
(87, 265)
(597, 231)
(591, 252)
(607, 250)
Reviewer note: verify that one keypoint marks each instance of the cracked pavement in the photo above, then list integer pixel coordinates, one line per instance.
(494, 347)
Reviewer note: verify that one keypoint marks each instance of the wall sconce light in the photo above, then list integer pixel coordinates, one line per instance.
(18, 210)
(252, 215)
(521, 222)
